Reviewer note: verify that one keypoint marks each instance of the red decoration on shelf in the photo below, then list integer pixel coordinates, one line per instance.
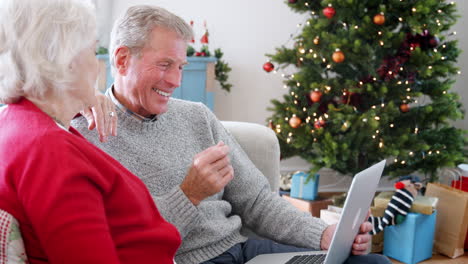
(191, 24)
(315, 96)
(338, 56)
(295, 121)
(379, 19)
(329, 12)
(319, 124)
(204, 38)
(404, 108)
(268, 66)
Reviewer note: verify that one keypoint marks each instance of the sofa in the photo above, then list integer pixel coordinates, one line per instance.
(261, 146)
(258, 142)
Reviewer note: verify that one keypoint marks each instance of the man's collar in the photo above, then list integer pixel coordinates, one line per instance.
(110, 94)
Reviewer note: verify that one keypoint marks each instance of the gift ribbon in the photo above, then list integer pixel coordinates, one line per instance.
(301, 186)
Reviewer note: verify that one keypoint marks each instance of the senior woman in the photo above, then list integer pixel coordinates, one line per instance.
(74, 203)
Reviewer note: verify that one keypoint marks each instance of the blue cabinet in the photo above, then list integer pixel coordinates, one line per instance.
(105, 78)
(197, 79)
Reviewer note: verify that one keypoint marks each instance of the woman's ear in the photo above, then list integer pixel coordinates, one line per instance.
(122, 59)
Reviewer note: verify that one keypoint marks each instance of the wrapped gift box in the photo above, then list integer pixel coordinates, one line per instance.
(331, 215)
(313, 207)
(421, 204)
(411, 241)
(462, 184)
(377, 240)
(303, 188)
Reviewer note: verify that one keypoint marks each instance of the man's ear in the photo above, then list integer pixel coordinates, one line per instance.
(122, 57)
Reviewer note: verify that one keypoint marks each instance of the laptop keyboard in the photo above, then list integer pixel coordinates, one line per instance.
(307, 259)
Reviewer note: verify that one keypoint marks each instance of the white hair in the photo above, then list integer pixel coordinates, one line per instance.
(38, 41)
(133, 29)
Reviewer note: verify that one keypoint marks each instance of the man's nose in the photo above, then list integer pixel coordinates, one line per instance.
(174, 77)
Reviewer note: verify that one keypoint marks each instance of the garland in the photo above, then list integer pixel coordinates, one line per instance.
(221, 67)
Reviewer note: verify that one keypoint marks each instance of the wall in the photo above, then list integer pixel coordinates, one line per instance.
(246, 30)
(462, 80)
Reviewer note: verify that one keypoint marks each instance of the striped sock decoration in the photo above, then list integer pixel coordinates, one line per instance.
(400, 204)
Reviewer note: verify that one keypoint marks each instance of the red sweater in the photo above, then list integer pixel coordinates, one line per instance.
(75, 203)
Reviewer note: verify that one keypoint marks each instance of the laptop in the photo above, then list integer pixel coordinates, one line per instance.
(354, 213)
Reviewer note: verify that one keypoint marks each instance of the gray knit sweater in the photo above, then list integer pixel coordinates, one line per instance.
(161, 152)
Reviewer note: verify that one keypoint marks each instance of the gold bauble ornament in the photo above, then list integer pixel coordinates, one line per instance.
(295, 122)
(379, 19)
(338, 56)
(316, 40)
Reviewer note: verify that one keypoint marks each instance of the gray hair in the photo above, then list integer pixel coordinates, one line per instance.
(39, 40)
(133, 29)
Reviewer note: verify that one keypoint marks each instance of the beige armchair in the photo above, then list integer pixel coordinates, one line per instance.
(261, 145)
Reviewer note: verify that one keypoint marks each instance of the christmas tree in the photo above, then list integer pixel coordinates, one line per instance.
(371, 80)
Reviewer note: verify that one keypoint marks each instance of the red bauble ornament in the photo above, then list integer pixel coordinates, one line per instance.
(379, 19)
(198, 54)
(319, 124)
(268, 66)
(329, 12)
(404, 108)
(315, 96)
(292, 1)
(295, 121)
(338, 56)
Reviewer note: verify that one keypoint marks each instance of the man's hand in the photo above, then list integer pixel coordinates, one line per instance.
(327, 236)
(100, 117)
(361, 242)
(210, 172)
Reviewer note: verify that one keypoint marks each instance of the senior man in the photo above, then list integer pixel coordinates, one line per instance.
(200, 179)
